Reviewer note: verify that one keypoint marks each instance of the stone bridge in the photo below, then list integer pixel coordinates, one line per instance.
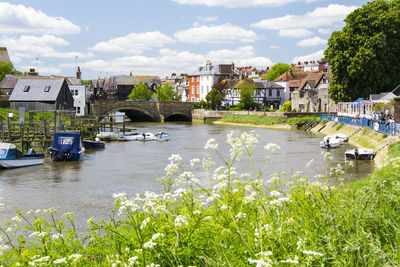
(144, 110)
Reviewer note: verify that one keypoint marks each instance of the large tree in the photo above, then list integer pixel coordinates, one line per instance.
(364, 56)
(246, 90)
(140, 91)
(7, 68)
(277, 70)
(167, 93)
(214, 98)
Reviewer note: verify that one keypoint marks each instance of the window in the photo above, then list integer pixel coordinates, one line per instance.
(278, 93)
(2, 152)
(192, 89)
(78, 110)
(65, 140)
(198, 99)
(47, 88)
(76, 92)
(197, 89)
(202, 89)
(192, 79)
(270, 92)
(192, 99)
(26, 89)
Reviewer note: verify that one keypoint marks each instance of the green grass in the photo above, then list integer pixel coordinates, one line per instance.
(232, 222)
(266, 120)
(340, 126)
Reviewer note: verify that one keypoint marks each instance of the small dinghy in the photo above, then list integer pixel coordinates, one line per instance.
(162, 136)
(329, 142)
(11, 157)
(108, 136)
(360, 153)
(66, 146)
(97, 144)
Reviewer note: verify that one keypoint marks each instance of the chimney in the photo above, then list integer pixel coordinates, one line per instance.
(32, 72)
(208, 63)
(78, 73)
(130, 73)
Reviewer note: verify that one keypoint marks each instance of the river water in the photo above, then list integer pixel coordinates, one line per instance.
(86, 187)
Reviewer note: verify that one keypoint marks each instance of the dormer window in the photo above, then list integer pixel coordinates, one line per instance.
(47, 88)
(26, 88)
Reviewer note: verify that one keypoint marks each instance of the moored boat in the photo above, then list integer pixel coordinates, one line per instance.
(162, 136)
(11, 157)
(360, 154)
(66, 146)
(329, 142)
(341, 137)
(88, 144)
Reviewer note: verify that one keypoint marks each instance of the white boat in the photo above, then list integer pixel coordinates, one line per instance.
(360, 153)
(108, 136)
(11, 157)
(341, 137)
(329, 142)
(162, 136)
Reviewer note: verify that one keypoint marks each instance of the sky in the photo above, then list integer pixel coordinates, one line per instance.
(160, 37)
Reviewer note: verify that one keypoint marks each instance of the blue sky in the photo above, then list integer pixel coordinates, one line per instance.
(158, 37)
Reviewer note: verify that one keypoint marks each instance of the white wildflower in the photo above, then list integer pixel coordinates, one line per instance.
(119, 195)
(149, 245)
(211, 144)
(309, 164)
(240, 215)
(271, 147)
(16, 219)
(260, 263)
(275, 193)
(134, 260)
(294, 261)
(180, 221)
(264, 253)
(59, 261)
(56, 236)
(194, 162)
(196, 212)
(157, 235)
(312, 253)
(74, 257)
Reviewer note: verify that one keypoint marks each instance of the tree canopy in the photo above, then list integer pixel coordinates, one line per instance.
(277, 70)
(166, 93)
(7, 68)
(214, 98)
(140, 91)
(246, 90)
(363, 56)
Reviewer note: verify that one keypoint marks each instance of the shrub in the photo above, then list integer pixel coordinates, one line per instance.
(324, 121)
(385, 135)
(340, 126)
(287, 106)
(366, 130)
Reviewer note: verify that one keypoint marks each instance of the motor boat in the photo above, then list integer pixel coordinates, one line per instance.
(66, 146)
(108, 136)
(162, 136)
(11, 157)
(88, 144)
(329, 142)
(360, 153)
(341, 137)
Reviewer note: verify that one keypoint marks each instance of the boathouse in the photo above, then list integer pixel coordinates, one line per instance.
(41, 94)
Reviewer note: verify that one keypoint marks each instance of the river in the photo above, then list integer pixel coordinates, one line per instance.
(86, 187)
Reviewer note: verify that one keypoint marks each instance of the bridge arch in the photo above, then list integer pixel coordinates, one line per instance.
(135, 114)
(177, 116)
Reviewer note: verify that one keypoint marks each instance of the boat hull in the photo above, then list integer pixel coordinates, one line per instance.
(92, 145)
(22, 162)
(363, 154)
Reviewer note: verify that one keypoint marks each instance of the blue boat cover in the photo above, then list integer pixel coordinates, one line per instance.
(66, 142)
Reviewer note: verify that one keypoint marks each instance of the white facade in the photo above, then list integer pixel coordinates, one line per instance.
(206, 83)
(286, 91)
(79, 93)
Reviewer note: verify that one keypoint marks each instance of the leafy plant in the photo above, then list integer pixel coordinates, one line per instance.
(340, 126)
(140, 91)
(287, 106)
(324, 121)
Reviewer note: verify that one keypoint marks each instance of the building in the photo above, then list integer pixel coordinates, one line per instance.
(79, 93)
(205, 77)
(121, 86)
(267, 93)
(41, 93)
(4, 55)
(312, 94)
(291, 79)
(311, 66)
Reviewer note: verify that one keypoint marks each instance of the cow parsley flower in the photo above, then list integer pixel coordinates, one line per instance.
(240, 215)
(180, 221)
(271, 147)
(195, 161)
(211, 144)
(312, 253)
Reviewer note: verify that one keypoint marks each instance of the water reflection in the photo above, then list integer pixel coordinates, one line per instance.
(86, 187)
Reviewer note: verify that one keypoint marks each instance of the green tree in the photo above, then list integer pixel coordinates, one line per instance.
(277, 70)
(140, 91)
(167, 93)
(7, 68)
(287, 106)
(246, 90)
(363, 56)
(214, 98)
(86, 82)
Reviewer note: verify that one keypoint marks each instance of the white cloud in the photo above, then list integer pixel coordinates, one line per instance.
(319, 17)
(239, 3)
(134, 43)
(312, 42)
(294, 33)
(324, 31)
(207, 19)
(168, 61)
(274, 46)
(216, 34)
(22, 19)
(314, 56)
(28, 46)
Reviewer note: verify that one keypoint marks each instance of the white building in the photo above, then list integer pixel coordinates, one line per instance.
(79, 93)
(211, 75)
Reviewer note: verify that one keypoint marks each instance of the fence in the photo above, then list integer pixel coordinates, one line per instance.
(391, 128)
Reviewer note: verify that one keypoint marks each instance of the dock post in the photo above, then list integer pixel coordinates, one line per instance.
(123, 124)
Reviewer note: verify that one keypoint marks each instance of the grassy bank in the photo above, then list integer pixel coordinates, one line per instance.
(238, 219)
(266, 120)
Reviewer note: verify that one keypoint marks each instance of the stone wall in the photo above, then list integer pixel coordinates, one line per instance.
(312, 101)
